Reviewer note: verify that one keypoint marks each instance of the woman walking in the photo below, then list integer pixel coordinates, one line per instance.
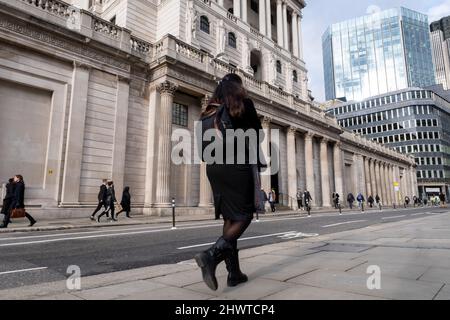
(125, 203)
(235, 186)
(18, 201)
(110, 201)
(7, 203)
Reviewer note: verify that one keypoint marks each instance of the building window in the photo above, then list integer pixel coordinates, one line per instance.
(180, 115)
(294, 76)
(279, 70)
(204, 24)
(232, 40)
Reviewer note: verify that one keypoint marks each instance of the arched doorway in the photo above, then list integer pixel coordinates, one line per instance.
(256, 64)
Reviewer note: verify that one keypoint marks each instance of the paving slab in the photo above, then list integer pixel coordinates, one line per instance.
(253, 290)
(391, 288)
(437, 274)
(168, 293)
(119, 290)
(302, 292)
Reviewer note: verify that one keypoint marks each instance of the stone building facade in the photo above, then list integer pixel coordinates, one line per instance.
(96, 93)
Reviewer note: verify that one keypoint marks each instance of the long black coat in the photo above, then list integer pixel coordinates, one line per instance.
(19, 195)
(102, 193)
(9, 198)
(110, 196)
(126, 200)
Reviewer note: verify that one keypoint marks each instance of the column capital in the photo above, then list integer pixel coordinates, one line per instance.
(81, 65)
(205, 101)
(167, 88)
(324, 140)
(266, 122)
(309, 135)
(292, 130)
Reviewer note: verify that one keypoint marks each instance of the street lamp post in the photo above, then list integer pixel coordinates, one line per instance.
(173, 214)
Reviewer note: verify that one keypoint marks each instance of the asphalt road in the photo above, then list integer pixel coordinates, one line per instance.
(38, 257)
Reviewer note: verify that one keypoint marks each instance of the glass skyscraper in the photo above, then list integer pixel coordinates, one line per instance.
(378, 53)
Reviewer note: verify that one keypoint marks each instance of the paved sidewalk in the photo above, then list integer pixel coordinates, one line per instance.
(413, 256)
(21, 225)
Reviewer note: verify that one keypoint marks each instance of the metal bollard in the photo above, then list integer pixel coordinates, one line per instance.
(173, 214)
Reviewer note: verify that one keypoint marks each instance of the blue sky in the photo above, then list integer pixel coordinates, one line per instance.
(319, 14)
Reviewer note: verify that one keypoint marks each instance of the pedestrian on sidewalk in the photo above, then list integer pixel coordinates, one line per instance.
(407, 200)
(442, 199)
(307, 201)
(378, 201)
(264, 199)
(7, 203)
(110, 201)
(101, 199)
(234, 185)
(415, 201)
(300, 199)
(360, 199)
(350, 200)
(18, 202)
(272, 196)
(336, 200)
(125, 203)
(370, 201)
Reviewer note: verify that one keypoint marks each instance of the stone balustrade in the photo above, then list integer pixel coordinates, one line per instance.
(106, 28)
(140, 47)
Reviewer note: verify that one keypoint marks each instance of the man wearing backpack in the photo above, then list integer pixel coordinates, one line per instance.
(360, 199)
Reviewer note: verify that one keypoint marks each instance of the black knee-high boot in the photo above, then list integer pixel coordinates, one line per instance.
(209, 259)
(235, 275)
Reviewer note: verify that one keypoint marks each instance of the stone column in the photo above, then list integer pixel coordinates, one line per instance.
(152, 141)
(262, 17)
(237, 8)
(388, 184)
(325, 173)
(220, 2)
(205, 198)
(373, 177)
(367, 177)
(309, 161)
(244, 16)
(280, 36)
(75, 133)
(378, 179)
(285, 28)
(300, 36)
(391, 183)
(294, 26)
(338, 170)
(167, 90)
(414, 189)
(385, 184)
(265, 148)
(268, 20)
(120, 133)
(292, 168)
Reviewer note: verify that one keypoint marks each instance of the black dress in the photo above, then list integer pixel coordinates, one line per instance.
(233, 184)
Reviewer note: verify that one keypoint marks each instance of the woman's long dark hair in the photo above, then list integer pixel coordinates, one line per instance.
(231, 93)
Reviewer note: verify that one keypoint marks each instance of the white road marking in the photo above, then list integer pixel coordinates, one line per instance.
(341, 223)
(243, 239)
(294, 235)
(23, 270)
(96, 236)
(393, 217)
(418, 214)
(103, 231)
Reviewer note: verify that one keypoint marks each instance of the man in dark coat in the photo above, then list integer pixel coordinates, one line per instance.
(101, 199)
(126, 202)
(350, 200)
(18, 201)
(7, 203)
(110, 201)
